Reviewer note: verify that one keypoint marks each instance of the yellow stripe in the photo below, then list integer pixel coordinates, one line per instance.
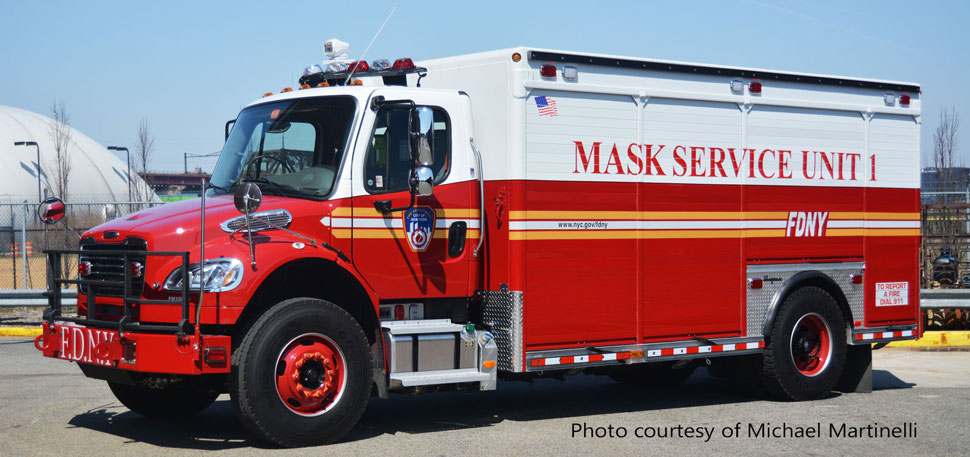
(363, 211)
(687, 234)
(845, 232)
(891, 232)
(763, 233)
(382, 233)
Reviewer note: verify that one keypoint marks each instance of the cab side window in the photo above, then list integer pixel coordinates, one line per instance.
(388, 164)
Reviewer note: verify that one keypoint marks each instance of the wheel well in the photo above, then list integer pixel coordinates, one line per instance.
(807, 279)
(827, 284)
(314, 278)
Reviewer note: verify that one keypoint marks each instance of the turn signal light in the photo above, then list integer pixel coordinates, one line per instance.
(489, 364)
(755, 283)
(83, 268)
(754, 87)
(403, 64)
(137, 269)
(547, 71)
(855, 279)
(904, 100)
(399, 312)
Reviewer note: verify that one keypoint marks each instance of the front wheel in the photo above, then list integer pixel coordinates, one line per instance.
(806, 350)
(302, 374)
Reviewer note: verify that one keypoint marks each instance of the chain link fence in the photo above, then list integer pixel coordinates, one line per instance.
(23, 238)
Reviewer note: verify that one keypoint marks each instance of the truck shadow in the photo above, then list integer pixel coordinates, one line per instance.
(578, 397)
(214, 429)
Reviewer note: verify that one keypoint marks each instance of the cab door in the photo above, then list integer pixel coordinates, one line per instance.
(423, 251)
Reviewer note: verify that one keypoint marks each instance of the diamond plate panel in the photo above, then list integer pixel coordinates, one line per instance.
(775, 276)
(502, 313)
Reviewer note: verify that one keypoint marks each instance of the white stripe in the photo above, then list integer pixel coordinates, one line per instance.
(765, 224)
(907, 333)
(892, 224)
(325, 221)
(389, 223)
(679, 351)
(581, 359)
(867, 336)
(653, 353)
(887, 334)
(752, 345)
(628, 225)
(609, 356)
(703, 349)
(552, 361)
(844, 224)
(728, 347)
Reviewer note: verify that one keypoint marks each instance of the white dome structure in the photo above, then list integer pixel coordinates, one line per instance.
(96, 174)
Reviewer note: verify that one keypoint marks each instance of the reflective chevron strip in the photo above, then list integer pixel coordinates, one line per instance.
(884, 335)
(648, 353)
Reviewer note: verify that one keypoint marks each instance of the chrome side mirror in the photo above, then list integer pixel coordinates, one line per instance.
(422, 135)
(247, 198)
(51, 210)
(423, 181)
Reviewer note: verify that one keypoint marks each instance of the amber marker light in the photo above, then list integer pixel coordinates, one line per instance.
(516, 57)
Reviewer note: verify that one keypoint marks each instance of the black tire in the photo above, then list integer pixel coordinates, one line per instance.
(171, 402)
(328, 352)
(660, 375)
(805, 363)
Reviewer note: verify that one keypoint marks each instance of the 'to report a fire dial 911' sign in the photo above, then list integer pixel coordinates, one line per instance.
(892, 293)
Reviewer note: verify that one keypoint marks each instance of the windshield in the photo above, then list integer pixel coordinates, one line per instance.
(290, 148)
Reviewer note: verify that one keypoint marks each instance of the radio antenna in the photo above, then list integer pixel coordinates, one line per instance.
(372, 40)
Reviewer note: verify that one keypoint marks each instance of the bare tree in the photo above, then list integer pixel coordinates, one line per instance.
(144, 150)
(59, 131)
(945, 218)
(945, 149)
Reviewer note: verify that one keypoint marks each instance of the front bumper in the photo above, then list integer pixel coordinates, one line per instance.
(140, 352)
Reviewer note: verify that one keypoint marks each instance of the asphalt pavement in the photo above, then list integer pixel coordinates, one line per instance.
(919, 407)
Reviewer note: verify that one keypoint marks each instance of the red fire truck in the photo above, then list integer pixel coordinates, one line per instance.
(511, 214)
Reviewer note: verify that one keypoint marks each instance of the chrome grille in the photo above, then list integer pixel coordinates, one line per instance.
(112, 267)
(278, 217)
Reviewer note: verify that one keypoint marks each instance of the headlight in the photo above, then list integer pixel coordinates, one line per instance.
(220, 275)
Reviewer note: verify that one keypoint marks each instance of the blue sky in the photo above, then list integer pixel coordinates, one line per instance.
(189, 66)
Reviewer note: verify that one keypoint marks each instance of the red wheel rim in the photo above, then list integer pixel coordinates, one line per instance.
(811, 345)
(310, 374)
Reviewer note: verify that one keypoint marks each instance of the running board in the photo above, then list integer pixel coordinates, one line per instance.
(429, 378)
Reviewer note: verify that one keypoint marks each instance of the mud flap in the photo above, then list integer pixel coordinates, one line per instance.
(857, 374)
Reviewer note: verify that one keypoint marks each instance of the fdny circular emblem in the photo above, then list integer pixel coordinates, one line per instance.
(419, 227)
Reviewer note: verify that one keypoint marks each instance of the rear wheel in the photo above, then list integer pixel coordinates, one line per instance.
(805, 352)
(170, 402)
(302, 374)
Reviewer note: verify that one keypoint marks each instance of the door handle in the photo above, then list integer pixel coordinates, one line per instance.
(456, 238)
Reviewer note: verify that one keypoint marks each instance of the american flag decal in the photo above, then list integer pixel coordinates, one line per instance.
(547, 106)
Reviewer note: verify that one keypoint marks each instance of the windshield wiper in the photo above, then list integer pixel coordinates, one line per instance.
(213, 186)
